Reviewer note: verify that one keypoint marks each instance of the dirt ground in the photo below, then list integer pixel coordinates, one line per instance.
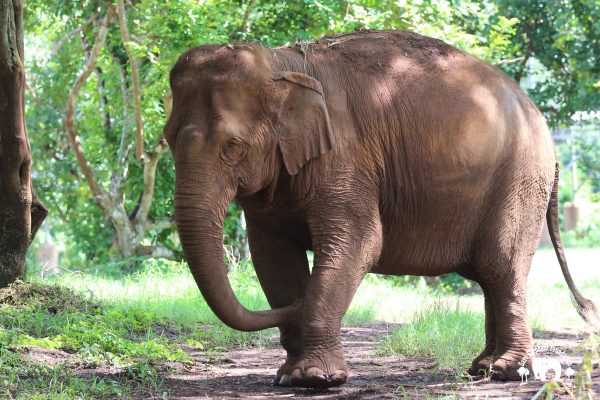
(248, 372)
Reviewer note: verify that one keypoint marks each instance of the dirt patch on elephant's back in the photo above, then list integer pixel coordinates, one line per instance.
(248, 373)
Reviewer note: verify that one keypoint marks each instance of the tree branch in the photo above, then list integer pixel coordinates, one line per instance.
(509, 61)
(236, 36)
(135, 77)
(120, 174)
(149, 181)
(69, 35)
(161, 225)
(101, 89)
(100, 195)
(528, 53)
(244, 25)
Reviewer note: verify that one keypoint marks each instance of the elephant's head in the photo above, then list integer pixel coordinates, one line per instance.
(237, 120)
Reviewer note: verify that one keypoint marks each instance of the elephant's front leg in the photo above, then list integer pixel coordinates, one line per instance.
(282, 269)
(345, 250)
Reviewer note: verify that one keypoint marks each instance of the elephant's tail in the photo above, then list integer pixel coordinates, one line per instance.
(585, 307)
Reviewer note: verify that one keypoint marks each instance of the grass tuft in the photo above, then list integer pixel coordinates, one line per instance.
(441, 325)
(52, 298)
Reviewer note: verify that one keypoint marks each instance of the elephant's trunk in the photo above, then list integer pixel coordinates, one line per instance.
(200, 214)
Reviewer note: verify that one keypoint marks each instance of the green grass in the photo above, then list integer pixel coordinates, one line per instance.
(54, 317)
(167, 291)
(442, 330)
(132, 323)
(137, 321)
(23, 379)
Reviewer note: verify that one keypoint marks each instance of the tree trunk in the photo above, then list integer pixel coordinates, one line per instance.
(21, 213)
(125, 234)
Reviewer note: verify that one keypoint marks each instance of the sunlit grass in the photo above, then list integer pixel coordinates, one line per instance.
(167, 291)
(443, 330)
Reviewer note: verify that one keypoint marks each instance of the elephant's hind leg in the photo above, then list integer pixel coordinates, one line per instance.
(505, 280)
(514, 339)
(502, 261)
(282, 269)
(481, 364)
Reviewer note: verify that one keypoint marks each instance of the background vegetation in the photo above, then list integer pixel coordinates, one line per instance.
(119, 304)
(551, 47)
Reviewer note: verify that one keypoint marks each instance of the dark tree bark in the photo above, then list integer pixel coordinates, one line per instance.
(21, 212)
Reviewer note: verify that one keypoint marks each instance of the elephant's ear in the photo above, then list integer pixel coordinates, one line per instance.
(304, 126)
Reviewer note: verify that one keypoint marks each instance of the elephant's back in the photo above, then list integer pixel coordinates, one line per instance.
(428, 103)
(376, 49)
(439, 120)
(381, 81)
(450, 132)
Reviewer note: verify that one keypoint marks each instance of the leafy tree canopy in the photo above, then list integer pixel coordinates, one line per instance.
(551, 47)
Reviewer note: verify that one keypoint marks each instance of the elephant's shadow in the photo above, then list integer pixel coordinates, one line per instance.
(249, 372)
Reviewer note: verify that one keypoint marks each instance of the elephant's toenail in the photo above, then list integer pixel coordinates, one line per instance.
(284, 380)
(296, 378)
(338, 376)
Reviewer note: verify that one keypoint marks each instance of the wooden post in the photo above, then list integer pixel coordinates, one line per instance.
(21, 213)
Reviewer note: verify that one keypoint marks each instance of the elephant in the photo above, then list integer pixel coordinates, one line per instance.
(382, 152)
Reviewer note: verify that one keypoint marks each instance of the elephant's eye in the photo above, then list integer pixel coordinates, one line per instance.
(233, 150)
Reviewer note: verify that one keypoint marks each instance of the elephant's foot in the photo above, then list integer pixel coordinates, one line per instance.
(481, 365)
(320, 370)
(285, 371)
(291, 340)
(509, 369)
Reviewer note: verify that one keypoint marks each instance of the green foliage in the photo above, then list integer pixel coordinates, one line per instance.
(161, 32)
(563, 38)
(584, 389)
(550, 46)
(586, 235)
(98, 333)
(54, 317)
(454, 283)
(440, 326)
(165, 292)
(22, 379)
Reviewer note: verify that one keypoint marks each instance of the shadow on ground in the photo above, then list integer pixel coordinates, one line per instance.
(248, 373)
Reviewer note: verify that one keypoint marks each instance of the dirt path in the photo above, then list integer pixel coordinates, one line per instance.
(248, 373)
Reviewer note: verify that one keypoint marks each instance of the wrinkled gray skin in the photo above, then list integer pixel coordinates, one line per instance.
(384, 152)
